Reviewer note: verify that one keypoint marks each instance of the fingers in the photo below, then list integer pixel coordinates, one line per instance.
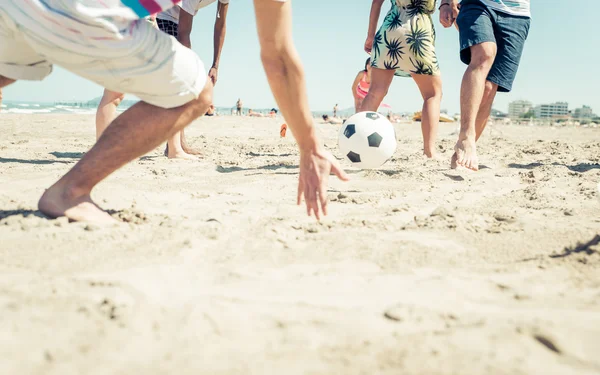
(213, 77)
(339, 172)
(310, 197)
(300, 191)
(313, 183)
(323, 198)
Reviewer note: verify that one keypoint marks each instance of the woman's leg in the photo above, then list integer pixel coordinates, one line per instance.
(107, 110)
(431, 91)
(381, 79)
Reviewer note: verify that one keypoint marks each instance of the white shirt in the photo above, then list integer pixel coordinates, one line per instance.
(514, 7)
(190, 6)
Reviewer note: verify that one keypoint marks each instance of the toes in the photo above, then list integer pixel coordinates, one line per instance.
(472, 164)
(460, 158)
(453, 162)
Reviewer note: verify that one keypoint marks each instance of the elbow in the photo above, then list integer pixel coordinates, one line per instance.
(280, 61)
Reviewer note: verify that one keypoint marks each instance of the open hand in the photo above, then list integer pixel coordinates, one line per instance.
(213, 74)
(315, 168)
(449, 13)
(369, 45)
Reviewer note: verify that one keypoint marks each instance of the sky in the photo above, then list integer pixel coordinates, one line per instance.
(560, 60)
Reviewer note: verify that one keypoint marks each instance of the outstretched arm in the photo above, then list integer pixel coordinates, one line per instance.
(219, 39)
(286, 78)
(373, 19)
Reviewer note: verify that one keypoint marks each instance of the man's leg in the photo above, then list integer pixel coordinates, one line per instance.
(485, 108)
(471, 97)
(483, 115)
(135, 132)
(107, 110)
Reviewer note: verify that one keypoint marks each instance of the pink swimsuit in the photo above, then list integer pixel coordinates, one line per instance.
(363, 87)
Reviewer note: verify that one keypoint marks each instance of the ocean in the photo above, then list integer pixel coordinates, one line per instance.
(90, 107)
(45, 108)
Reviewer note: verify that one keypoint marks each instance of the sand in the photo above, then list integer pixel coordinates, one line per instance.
(417, 270)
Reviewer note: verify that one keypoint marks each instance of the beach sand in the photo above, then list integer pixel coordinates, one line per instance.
(418, 269)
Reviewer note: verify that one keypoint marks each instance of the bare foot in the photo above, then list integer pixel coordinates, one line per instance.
(432, 155)
(453, 163)
(182, 155)
(57, 202)
(466, 154)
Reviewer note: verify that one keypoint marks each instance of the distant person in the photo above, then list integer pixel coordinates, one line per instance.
(1, 96)
(239, 105)
(405, 46)
(335, 110)
(273, 113)
(331, 120)
(492, 37)
(211, 111)
(97, 40)
(360, 86)
(251, 113)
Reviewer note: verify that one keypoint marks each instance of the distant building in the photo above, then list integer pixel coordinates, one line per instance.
(497, 114)
(584, 112)
(558, 109)
(518, 108)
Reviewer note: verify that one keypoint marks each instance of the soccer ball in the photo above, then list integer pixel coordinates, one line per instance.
(367, 139)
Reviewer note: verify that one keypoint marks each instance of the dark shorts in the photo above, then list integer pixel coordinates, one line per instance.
(479, 24)
(168, 27)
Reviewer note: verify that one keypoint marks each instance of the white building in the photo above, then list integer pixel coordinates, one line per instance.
(552, 110)
(518, 108)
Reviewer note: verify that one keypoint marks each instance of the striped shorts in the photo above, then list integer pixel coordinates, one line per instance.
(120, 54)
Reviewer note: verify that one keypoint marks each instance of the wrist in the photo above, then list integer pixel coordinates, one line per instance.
(309, 142)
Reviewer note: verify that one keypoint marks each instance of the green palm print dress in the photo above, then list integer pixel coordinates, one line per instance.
(406, 40)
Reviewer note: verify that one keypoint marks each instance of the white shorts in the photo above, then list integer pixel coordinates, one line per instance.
(120, 54)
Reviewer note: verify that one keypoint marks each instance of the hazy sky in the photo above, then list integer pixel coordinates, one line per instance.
(559, 64)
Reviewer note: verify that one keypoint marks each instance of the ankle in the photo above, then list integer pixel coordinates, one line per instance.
(173, 153)
(466, 136)
(428, 151)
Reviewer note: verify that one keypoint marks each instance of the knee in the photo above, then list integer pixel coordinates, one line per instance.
(279, 63)
(118, 99)
(201, 104)
(483, 56)
(112, 97)
(433, 95)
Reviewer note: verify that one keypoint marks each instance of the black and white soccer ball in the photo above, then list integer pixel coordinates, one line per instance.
(367, 140)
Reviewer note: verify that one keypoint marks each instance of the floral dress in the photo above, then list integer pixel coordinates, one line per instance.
(406, 40)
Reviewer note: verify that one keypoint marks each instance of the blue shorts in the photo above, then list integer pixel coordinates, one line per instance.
(478, 24)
